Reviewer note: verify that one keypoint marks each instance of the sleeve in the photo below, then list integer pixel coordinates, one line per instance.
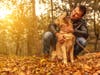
(82, 30)
(53, 28)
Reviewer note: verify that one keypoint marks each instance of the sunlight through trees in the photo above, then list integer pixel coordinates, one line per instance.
(23, 22)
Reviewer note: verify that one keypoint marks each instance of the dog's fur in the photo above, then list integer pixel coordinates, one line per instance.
(65, 50)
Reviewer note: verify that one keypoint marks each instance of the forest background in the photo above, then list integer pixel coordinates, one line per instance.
(23, 22)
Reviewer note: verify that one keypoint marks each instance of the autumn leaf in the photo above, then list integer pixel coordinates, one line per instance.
(85, 65)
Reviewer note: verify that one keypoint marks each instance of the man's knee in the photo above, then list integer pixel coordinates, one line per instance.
(82, 41)
(47, 35)
(77, 48)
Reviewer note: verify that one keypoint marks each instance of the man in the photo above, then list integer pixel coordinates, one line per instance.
(80, 31)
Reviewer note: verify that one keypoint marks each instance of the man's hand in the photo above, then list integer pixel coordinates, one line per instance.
(60, 37)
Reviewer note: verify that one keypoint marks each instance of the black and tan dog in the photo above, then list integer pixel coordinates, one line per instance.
(65, 50)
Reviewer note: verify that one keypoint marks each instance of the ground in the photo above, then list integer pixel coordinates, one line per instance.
(87, 64)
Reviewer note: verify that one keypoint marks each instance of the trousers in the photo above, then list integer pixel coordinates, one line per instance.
(49, 41)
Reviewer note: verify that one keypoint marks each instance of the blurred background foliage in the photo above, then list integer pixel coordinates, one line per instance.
(23, 22)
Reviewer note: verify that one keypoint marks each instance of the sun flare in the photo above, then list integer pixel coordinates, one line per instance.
(40, 8)
(4, 12)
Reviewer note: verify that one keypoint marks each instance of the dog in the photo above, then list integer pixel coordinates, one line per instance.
(64, 51)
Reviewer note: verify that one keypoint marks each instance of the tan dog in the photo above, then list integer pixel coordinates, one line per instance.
(65, 50)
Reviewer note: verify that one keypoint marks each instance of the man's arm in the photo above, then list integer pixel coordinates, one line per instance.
(53, 28)
(82, 31)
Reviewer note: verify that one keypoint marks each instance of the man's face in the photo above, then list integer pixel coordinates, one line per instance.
(76, 14)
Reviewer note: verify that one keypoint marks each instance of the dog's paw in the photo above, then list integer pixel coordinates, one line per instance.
(65, 62)
(72, 61)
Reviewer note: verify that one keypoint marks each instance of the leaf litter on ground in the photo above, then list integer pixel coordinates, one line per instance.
(87, 64)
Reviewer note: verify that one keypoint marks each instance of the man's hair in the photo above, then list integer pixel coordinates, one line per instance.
(82, 9)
